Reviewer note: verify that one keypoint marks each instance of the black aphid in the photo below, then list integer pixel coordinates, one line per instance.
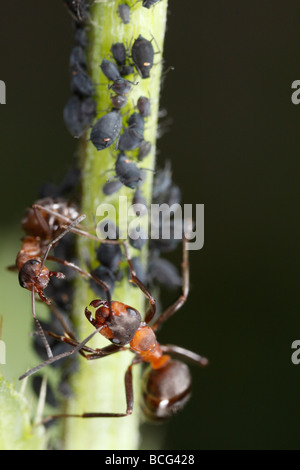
(144, 106)
(124, 12)
(149, 3)
(118, 101)
(110, 70)
(81, 37)
(79, 114)
(142, 54)
(77, 58)
(144, 150)
(137, 122)
(104, 274)
(111, 187)
(137, 238)
(127, 171)
(109, 255)
(106, 130)
(164, 272)
(121, 86)
(130, 139)
(81, 82)
(139, 203)
(139, 270)
(118, 51)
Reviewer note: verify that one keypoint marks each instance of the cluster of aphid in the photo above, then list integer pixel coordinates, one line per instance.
(52, 222)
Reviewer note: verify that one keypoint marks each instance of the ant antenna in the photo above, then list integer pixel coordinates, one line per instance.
(67, 230)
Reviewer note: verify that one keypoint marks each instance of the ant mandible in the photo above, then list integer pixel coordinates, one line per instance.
(44, 226)
(167, 382)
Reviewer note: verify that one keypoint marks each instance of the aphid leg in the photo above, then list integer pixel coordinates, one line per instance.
(185, 290)
(39, 327)
(152, 309)
(185, 354)
(129, 401)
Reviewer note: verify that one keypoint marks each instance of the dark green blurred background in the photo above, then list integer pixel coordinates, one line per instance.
(234, 145)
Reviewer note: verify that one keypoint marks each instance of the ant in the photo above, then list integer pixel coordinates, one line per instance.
(43, 224)
(167, 382)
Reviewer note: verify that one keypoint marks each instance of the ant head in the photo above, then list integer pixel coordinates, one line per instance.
(120, 322)
(31, 275)
(166, 390)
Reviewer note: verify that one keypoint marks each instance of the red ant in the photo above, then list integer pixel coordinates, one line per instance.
(43, 224)
(167, 382)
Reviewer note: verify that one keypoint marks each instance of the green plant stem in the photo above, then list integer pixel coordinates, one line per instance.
(98, 386)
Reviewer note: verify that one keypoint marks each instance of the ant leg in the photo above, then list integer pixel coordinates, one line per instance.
(92, 353)
(185, 290)
(152, 309)
(85, 273)
(39, 327)
(129, 401)
(185, 354)
(37, 211)
(68, 221)
(53, 359)
(56, 240)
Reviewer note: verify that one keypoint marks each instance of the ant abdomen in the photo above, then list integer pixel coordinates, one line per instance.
(166, 390)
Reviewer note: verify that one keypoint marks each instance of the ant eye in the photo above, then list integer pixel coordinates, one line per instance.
(132, 312)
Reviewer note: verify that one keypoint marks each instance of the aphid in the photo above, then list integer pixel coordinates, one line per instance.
(111, 187)
(118, 101)
(149, 3)
(137, 238)
(136, 122)
(77, 58)
(142, 54)
(127, 171)
(79, 114)
(132, 136)
(167, 382)
(144, 106)
(120, 55)
(121, 86)
(118, 51)
(80, 36)
(109, 255)
(110, 70)
(130, 139)
(139, 203)
(139, 270)
(164, 272)
(144, 150)
(81, 82)
(106, 130)
(124, 12)
(105, 275)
